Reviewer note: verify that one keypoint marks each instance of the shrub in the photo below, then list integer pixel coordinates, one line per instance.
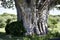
(5, 18)
(15, 28)
(2, 22)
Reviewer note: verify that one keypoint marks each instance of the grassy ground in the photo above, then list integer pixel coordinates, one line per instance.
(3, 36)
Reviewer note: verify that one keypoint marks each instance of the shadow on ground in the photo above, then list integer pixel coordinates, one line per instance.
(3, 36)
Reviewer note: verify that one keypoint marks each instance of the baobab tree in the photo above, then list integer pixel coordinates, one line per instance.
(33, 13)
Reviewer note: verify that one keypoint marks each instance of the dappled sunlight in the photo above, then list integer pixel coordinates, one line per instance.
(2, 30)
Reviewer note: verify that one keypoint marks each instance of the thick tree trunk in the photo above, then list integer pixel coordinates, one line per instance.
(27, 12)
(35, 26)
(24, 12)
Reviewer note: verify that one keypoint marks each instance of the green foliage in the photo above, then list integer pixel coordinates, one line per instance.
(5, 17)
(54, 25)
(8, 21)
(2, 25)
(15, 28)
(53, 20)
(2, 22)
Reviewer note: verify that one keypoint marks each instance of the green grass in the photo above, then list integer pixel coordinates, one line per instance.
(3, 36)
(2, 29)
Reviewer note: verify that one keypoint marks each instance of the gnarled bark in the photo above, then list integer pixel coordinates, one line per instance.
(34, 15)
(43, 16)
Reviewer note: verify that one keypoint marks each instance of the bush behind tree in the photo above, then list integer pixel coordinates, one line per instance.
(5, 17)
(15, 28)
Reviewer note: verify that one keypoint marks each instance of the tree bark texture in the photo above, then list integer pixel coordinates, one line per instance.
(34, 14)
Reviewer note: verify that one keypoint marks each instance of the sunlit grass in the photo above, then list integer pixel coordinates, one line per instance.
(2, 29)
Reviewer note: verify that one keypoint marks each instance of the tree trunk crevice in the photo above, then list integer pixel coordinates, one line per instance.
(34, 19)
